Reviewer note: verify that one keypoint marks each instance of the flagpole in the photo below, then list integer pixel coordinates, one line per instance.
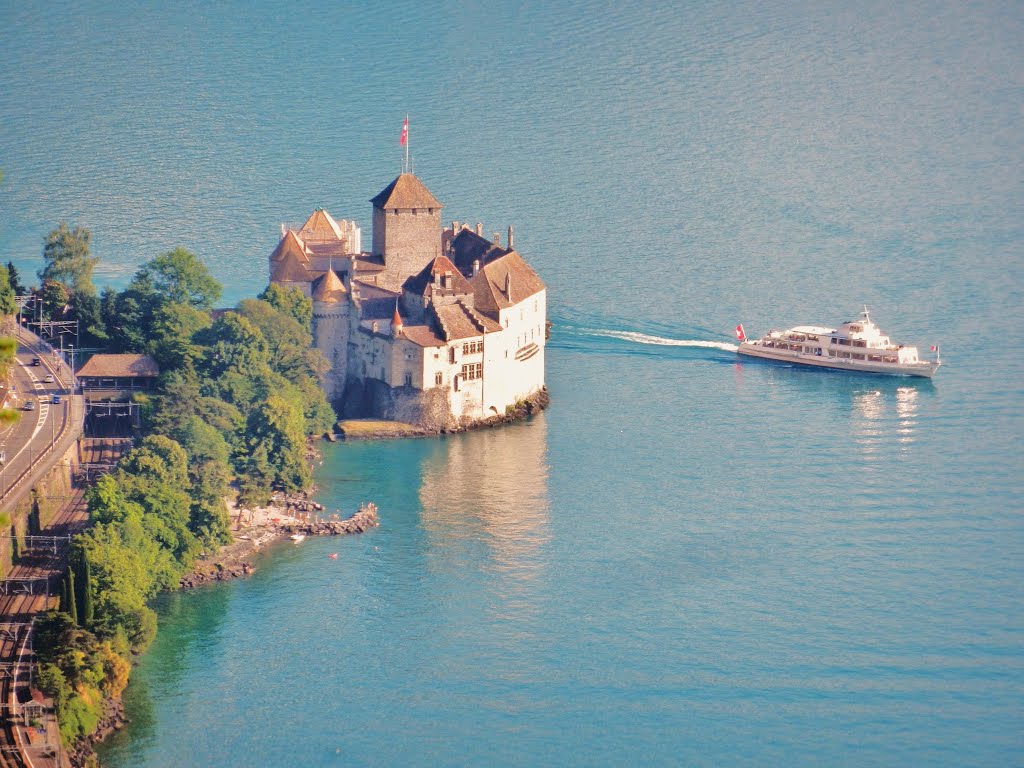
(406, 143)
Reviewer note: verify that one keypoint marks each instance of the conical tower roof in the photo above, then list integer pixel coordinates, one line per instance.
(328, 288)
(321, 225)
(290, 243)
(406, 192)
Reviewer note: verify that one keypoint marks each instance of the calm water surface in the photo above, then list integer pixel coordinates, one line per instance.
(687, 559)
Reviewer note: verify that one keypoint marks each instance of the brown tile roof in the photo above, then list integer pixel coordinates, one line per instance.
(320, 226)
(337, 248)
(406, 192)
(290, 243)
(110, 366)
(422, 335)
(458, 321)
(367, 264)
(329, 288)
(290, 269)
(489, 283)
(423, 283)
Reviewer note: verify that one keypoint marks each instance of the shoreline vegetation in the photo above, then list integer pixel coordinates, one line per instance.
(222, 470)
(229, 417)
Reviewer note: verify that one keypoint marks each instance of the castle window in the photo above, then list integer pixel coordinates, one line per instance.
(473, 371)
(438, 379)
(451, 355)
(383, 374)
(408, 379)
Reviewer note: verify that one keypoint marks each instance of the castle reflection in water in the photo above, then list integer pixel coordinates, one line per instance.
(489, 488)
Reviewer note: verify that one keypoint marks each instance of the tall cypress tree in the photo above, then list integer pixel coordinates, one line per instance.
(64, 593)
(86, 590)
(72, 606)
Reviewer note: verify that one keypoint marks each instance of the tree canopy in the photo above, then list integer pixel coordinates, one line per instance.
(179, 276)
(68, 259)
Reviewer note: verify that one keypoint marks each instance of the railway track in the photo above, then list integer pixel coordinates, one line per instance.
(29, 590)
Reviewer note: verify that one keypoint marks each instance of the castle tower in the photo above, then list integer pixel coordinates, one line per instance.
(406, 229)
(330, 329)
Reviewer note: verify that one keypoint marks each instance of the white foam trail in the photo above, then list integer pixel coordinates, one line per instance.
(643, 338)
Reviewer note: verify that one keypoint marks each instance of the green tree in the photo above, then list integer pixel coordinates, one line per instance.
(158, 459)
(175, 327)
(15, 280)
(234, 344)
(209, 473)
(130, 318)
(179, 276)
(55, 299)
(276, 425)
(8, 306)
(86, 610)
(292, 301)
(87, 309)
(72, 609)
(68, 260)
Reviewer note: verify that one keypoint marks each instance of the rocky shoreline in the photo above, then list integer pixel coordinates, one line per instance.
(83, 754)
(290, 517)
(383, 429)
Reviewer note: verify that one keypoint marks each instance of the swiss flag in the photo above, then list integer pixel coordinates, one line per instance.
(405, 133)
(740, 335)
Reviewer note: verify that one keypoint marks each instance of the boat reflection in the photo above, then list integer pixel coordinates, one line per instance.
(877, 424)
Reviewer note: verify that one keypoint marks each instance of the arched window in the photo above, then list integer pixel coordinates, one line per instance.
(408, 379)
(438, 379)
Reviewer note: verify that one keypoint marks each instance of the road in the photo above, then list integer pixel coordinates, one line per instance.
(35, 432)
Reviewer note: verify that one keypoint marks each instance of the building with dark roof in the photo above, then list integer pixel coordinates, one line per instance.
(434, 326)
(126, 373)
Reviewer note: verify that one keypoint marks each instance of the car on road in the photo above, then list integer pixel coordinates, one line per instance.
(3, 457)
(56, 399)
(49, 378)
(30, 405)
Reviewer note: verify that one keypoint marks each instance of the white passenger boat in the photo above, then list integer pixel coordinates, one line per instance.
(857, 345)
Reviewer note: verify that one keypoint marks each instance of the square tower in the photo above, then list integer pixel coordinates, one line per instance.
(406, 229)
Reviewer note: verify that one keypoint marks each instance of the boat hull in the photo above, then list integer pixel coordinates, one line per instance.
(924, 368)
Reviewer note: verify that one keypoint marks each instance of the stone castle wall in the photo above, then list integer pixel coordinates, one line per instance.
(408, 240)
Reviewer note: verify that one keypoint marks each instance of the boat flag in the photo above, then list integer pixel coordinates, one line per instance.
(740, 335)
(935, 347)
(405, 133)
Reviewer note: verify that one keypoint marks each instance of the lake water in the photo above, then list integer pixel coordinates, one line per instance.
(687, 559)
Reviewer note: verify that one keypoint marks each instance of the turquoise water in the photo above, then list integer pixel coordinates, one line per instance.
(687, 559)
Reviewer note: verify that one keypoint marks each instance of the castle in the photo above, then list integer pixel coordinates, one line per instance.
(435, 327)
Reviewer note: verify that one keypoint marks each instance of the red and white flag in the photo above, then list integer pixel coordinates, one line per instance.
(935, 347)
(740, 334)
(405, 133)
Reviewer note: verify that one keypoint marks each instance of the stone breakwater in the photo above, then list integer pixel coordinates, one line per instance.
(232, 561)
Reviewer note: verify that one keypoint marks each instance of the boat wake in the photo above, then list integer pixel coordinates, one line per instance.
(643, 338)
